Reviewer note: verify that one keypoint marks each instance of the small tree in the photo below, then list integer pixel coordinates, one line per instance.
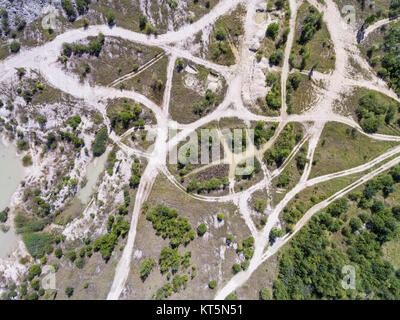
(3, 216)
(145, 268)
(110, 17)
(236, 268)
(265, 294)
(260, 205)
(220, 34)
(142, 21)
(27, 160)
(71, 255)
(212, 284)
(69, 291)
(58, 253)
(229, 239)
(295, 80)
(275, 233)
(180, 64)
(231, 296)
(35, 270)
(201, 229)
(272, 30)
(15, 46)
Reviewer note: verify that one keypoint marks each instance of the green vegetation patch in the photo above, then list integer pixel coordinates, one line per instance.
(167, 224)
(100, 142)
(342, 147)
(286, 141)
(313, 48)
(382, 51)
(300, 93)
(334, 240)
(376, 112)
(116, 227)
(191, 97)
(225, 36)
(38, 244)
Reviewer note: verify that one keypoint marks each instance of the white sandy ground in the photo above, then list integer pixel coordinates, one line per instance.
(44, 59)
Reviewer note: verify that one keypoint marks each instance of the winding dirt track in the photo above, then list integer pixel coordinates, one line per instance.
(44, 59)
(377, 25)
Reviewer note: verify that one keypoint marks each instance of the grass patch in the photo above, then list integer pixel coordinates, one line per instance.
(341, 148)
(302, 98)
(189, 93)
(151, 82)
(107, 66)
(225, 38)
(317, 53)
(349, 104)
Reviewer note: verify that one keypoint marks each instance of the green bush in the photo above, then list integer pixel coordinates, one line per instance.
(274, 234)
(71, 255)
(262, 134)
(100, 141)
(15, 46)
(372, 110)
(260, 205)
(276, 57)
(58, 253)
(272, 30)
(93, 48)
(169, 259)
(220, 34)
(273, 98)
(3, 216)
(80, 262)
(69, 291)
(110, 17)
(35, 284)
(265, 294)
(284, 180)
(69, 9)
(295, 80)
(231, 296)
(134, 180)
(236, 268)
(35, 270)
(27, 160)
(312, 23)
(145, 267)
(229, 239)
(167, 224)
(283, 146)
(38, 244)
(71, 137)
(212, 284)
(27, 224)
(201, 229)
(82, 6)
(142, 21)
(105, 244)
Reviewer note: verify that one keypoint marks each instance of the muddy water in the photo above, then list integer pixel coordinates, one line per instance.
(11, 173)
(94, 170)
